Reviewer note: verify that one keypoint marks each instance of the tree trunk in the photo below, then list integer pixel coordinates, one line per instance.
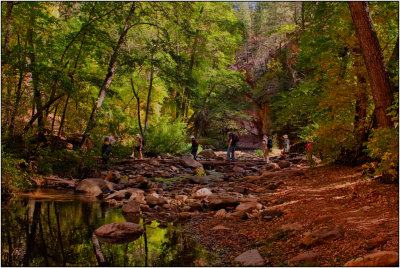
(63, 117)
(109, 77)
(138, 106)
(7, 28)
(35, 78)
(394, 67)
(146, 120)
(374, 61)
(18, 96)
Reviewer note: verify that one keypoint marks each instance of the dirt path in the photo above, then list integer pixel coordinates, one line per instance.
(365, 211)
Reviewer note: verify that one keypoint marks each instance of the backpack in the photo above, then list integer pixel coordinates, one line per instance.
(270, 143)
(235, 138)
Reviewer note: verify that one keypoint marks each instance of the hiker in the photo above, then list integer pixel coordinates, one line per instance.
(195, 146)
(286, 144)
(106, 150)
(308, 150)
(233, 139)
(138, 147)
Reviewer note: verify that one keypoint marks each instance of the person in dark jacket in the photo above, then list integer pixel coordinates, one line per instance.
(195, 147)
(230, 154)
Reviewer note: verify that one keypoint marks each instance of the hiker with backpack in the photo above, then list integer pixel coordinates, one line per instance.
(195, 147)
(138, 147)
(233, 140)
(106, 148)
(267, 146)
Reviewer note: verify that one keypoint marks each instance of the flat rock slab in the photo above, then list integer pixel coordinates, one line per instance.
(250, 258)
(378, 259)
(320, 236)
(220, 227)
(307, 256)
(119, 232)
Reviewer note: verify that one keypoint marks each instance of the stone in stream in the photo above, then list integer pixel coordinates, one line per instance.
(320, 236)
(220, 213)
(132, 206)
(238, 170)
(95, 187)
(250, 258)
(377, 259)
(272, 167)
(55, 182)
(119, 232)
(137, 194)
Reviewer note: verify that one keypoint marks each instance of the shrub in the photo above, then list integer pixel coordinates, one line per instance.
(13, 179)
(383, 145)
(167, 136)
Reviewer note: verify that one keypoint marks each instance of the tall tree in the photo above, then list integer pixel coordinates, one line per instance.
(374, 61)
(110, 74)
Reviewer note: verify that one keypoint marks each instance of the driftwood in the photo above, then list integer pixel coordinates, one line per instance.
(97, 250)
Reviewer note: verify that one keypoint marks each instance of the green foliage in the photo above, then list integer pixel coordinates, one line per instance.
(383, 145)
(168, 136)
(13, 178)
(259, 152)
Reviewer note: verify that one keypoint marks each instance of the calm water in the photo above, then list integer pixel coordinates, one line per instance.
(55, 228)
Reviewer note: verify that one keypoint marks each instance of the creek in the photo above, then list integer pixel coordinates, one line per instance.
(55, 228)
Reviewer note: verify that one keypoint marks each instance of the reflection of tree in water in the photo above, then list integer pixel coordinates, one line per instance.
(50, 233)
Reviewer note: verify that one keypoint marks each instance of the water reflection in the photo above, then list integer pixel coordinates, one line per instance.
(56, 229)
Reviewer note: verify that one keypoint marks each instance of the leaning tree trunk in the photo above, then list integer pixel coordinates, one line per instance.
(374, 61)
(109, 77)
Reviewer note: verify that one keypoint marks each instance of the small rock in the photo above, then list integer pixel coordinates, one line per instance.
(155, 199)
(304, 257)
(218, 201)
(154, 162)
(248, 206)
(321, 235)
(181, 198)
(219, 227)
(377, 259)
(202, 193)
(250, 258)
(284, 164)
(132, 206)
(220, 213)
(375, 242)
(113, 176)
(238, 170)
(272, 167)
(199, 180)
(271, 213)
(239, 189)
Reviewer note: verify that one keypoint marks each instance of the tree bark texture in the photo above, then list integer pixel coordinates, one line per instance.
(7, 28)
(374, 61)
(110, 75)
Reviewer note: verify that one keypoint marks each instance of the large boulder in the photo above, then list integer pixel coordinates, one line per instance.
(56, 182)
(250, 258)
(188, 161)
(377, 259)
(95, 187)
(320, 236)
(208, 153)
(119, 232)
(218, 201)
